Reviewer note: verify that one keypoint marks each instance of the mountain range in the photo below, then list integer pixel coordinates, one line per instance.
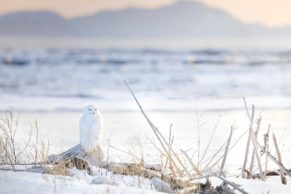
(181, 19)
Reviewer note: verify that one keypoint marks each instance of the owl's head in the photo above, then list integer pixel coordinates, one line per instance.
(91, 110)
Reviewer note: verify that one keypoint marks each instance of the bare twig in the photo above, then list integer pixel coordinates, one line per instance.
(280, 165)
(194, 167)
(226, 150)
(266, 145)
(198, 139)
(253, 153)
(159, 136)
(249, 139)
(210, 140)
(283, 178)
(235, 186)
(257, 154)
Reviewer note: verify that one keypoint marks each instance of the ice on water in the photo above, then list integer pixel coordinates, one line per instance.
(164, 79)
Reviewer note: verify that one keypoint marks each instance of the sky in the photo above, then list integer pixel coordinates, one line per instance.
(271, 13)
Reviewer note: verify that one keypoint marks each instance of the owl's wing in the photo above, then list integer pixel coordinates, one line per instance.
(96, 126)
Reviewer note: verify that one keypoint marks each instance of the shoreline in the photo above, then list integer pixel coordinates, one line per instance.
(26, 103)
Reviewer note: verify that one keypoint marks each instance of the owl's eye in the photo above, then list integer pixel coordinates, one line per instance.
(95, 109)
(90, 109)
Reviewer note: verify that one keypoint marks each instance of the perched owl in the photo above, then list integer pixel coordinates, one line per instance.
(90, 129)
(89, 149)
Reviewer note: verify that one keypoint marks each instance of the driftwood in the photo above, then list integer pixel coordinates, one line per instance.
(163, 142)
(232, 184)
(283, 178)
(263, 150)
(253, 153)
(266, 146)
(74, 157)
(226, 150)
(272, 173)
(93, 158)
(133, 169)
(251, 117)
(62, 167)
(257, 154)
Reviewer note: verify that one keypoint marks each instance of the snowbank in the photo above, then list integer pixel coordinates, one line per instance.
(35, 183)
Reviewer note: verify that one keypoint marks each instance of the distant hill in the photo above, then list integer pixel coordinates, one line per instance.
(34, 23)
(182, 19)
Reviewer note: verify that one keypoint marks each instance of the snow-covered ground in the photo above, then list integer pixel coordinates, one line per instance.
(271, 186)
(36, 183)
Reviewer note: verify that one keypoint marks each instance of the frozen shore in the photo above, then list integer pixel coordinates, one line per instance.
(35, 183)
(60, 124)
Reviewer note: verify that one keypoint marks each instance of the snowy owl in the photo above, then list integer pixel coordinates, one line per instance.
(90, 129)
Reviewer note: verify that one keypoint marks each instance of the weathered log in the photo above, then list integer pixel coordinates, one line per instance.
(93, 158)
(62, 167)
(133, 169)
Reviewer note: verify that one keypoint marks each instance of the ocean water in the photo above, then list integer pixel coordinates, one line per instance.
(163, 79)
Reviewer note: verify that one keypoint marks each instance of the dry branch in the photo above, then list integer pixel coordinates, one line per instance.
(235, 186)
(94, 158)
(253, 153)
(194, 167)
(249, 139)
(283, 178)
(266, 145)
(280, 165)
(257, 155)
(226, 150)
(159, 136)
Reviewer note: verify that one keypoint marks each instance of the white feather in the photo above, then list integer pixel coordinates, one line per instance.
(90, 128)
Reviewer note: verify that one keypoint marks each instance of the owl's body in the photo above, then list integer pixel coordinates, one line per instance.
(89, 148)
(90, 129)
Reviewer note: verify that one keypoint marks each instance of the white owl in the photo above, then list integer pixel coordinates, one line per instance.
(90, 128)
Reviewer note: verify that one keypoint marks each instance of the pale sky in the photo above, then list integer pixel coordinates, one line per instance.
(268, 12)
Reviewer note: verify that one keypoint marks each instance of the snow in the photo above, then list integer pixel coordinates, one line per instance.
(271, 186)
(161, 185)
(28, 182)
(35, 183)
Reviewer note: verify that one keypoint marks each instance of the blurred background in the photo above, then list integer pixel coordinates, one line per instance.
(185, 61)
